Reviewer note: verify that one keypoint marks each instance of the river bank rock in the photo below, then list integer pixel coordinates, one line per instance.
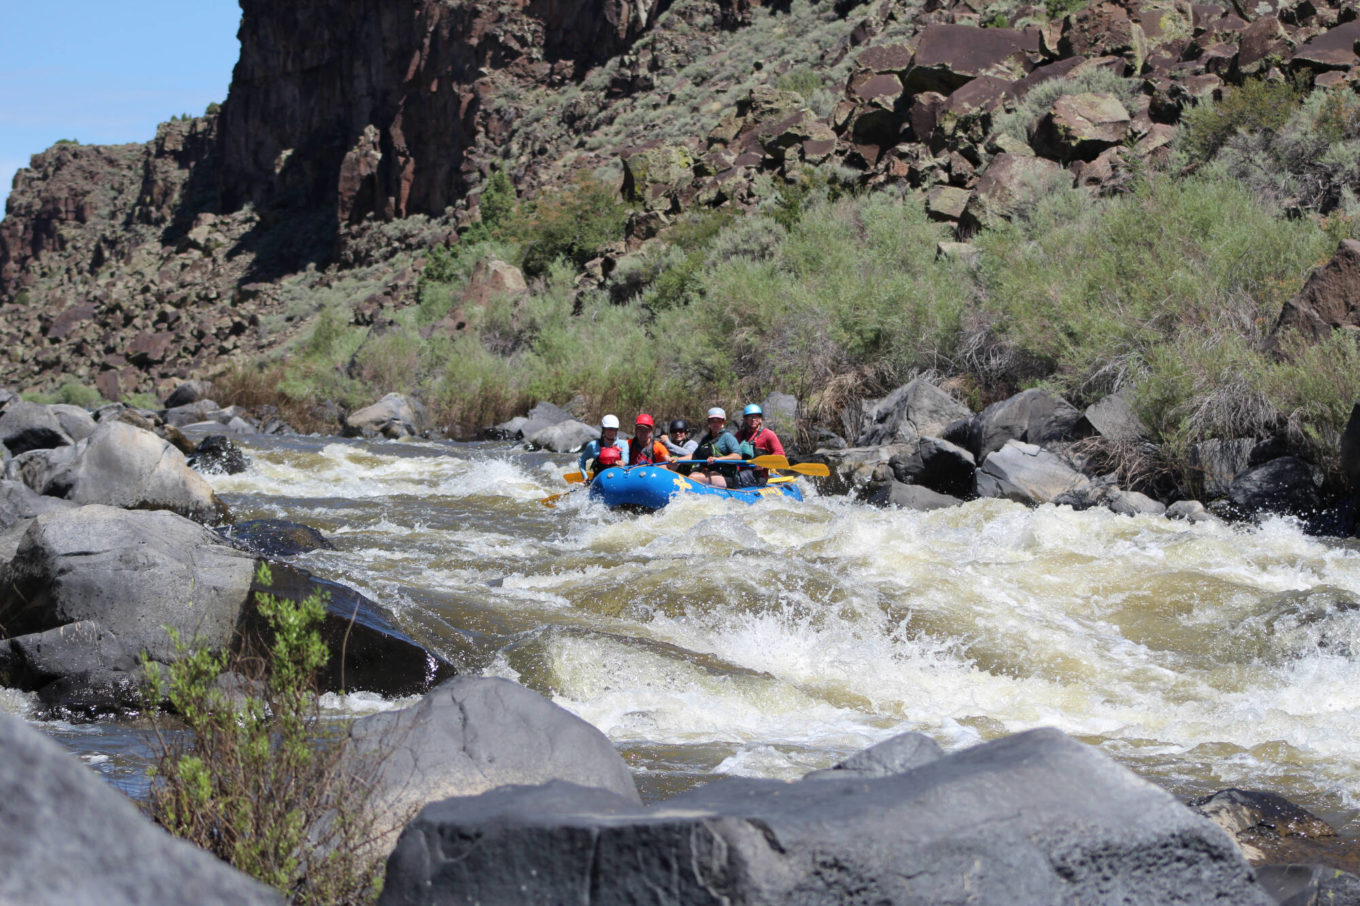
(1032, 818)
(1027, 474)
(73, 840)
(91, 588)
(28, 426)
(393, 417)
(120, 465)
(470, 735)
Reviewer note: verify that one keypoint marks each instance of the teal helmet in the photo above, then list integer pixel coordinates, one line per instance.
(752, 409)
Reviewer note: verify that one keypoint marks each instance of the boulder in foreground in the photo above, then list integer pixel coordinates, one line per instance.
(73, 840)
(1032, 818)
(471, 734)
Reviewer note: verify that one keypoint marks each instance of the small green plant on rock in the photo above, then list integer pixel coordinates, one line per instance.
(257, 779)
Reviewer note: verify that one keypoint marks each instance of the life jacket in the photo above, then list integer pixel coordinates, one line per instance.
(759, 444)
(646, 455)
(706, 449)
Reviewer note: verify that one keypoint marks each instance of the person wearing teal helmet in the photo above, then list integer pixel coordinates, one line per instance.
(755, 440)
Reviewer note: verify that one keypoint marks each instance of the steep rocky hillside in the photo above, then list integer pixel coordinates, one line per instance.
(356, 135)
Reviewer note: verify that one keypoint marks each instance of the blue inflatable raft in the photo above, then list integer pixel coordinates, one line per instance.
(651, 488)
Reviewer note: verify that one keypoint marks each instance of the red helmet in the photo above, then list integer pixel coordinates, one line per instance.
(644, 419)
(610, 456)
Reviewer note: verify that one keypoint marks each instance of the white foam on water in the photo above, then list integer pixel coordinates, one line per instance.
(354, 472)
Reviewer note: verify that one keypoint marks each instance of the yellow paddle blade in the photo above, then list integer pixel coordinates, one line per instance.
(574, 478)
(781, 464)
(552, 501)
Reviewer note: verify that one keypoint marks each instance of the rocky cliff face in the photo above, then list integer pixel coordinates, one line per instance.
(378, 108)
(356, 133)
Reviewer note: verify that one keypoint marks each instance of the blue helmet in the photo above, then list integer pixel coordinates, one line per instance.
(752, 409)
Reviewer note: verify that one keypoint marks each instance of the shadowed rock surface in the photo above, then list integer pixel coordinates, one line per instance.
(71, 839)
(1032, 818)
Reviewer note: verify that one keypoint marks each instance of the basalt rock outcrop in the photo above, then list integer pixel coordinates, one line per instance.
(356, 135)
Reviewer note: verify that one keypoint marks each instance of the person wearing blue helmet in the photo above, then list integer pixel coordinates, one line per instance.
(755, 440)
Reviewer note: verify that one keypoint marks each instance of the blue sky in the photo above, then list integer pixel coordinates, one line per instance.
(105, 73)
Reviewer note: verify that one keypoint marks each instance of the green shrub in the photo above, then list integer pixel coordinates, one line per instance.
(1258, 105)
(258, 780)
(573, 225)
(800, 79)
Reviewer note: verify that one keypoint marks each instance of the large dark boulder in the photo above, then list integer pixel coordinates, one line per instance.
(368, 652)
(1330, 299)
(1284, 485)
(91, 588)
(71, 839)
(473, 734)
(217, 455)
(938, 465)
(1032, 818)
(1033, 416)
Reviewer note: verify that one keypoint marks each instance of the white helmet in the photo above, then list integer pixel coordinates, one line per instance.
(716, 412)
(609, 421)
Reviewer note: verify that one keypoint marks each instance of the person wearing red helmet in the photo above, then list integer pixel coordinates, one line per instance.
(643, 450)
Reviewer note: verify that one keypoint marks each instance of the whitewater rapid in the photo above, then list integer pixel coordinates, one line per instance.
(715, 638)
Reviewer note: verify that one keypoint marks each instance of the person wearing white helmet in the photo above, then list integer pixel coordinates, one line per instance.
(717, 446)
(609, 437)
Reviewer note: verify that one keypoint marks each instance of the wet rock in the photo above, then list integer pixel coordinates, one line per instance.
(1309, 885)
(1237, 810)
(1026, 474)
(92, 587)
(217, 455)
(1284, 485)
(394, 416)
(910, 497)
(1350, 450)
(473, 734)
(83, 842)
(854, 468)
(1032, 818)
(1190, 511)
(938, 465)
(563, 437)
(367, 651)
(904, 752)
(28, 426)
(275, 538)
(120, 465)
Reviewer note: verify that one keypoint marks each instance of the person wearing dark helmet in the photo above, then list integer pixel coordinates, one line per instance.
(756, 440)
(609, 437)
(678, 442)
(644, 451)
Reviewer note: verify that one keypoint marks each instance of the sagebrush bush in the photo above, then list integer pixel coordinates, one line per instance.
(258, 780)
(1256, 106)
